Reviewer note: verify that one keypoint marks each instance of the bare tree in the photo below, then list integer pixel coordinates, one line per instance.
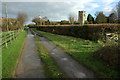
(44, 19)
(118, 11)
(22, 17)
(71, 19)
(36, 20)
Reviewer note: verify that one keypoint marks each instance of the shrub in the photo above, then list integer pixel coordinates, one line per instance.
(92, 32)
(109, 54)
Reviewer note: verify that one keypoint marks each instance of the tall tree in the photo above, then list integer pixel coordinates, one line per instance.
(90, 19)
(22, 17)
(71, 19)
(100, 18)
(112, 18)
(36, 20)
(118, 11)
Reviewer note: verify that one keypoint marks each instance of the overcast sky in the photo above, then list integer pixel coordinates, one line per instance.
(56, 10)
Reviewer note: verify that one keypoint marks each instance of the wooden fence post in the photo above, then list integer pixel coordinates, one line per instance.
(13, 36)
(10, 37)
(5, 40)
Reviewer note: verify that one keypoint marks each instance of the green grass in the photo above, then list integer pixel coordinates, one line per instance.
(82, 51)
(10, 55)
(50, 68)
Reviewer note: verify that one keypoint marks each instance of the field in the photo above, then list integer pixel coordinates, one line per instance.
(10, 55)
(83, 51)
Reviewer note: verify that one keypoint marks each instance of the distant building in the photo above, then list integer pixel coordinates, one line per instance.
(10, 19)
(81, 17)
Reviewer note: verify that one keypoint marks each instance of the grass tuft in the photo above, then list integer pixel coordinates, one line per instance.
(50, 68)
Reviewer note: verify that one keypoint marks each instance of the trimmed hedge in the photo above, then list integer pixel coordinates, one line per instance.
(92, 32)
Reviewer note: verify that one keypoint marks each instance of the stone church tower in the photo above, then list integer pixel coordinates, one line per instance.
(81, 17)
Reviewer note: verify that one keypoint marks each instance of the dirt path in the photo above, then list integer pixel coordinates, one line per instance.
(29, 65)
(71, 67)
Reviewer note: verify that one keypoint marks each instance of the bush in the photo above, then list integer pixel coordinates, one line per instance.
(109, 54)
(92, 32)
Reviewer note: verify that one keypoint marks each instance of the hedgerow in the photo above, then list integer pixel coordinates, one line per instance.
(92, 32)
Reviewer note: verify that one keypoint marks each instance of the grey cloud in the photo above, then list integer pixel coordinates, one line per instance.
(52, 10)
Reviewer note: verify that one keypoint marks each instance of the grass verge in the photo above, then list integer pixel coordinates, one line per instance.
(83, 51)
(10, 55)
(50, 68)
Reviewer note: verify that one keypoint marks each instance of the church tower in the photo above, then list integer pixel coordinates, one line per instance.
(81, 17)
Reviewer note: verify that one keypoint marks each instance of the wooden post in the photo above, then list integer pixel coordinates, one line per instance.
(13, 35)
(6, 44)
(5, 41)
(10, 37)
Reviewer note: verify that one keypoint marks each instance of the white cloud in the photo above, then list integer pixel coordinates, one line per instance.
(108, 1)
(108, 6)
(107, 9)
(94, 5)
